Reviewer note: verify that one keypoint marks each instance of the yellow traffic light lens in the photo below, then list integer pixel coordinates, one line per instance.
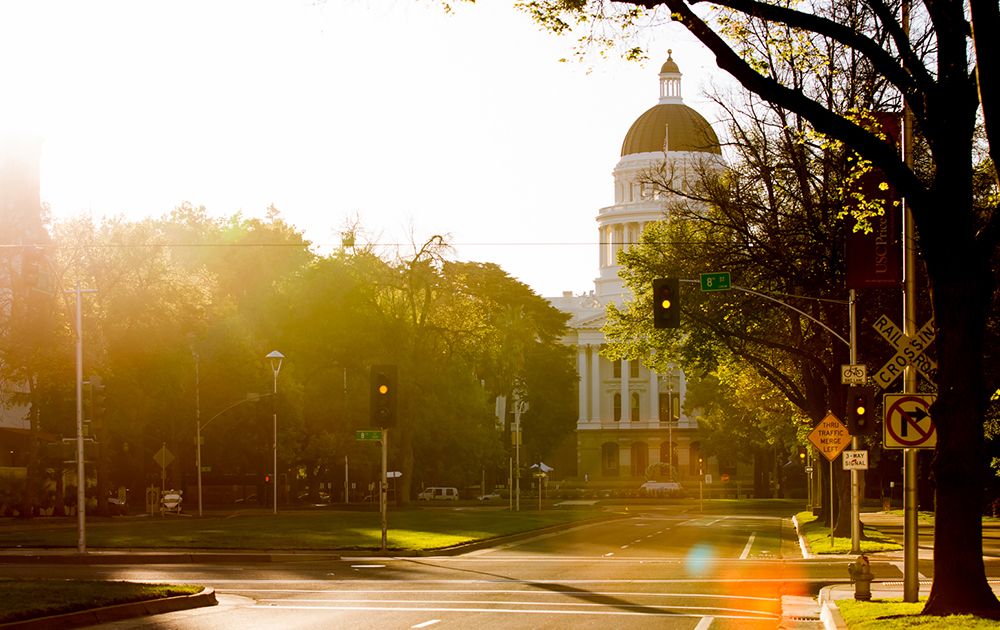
(665, 303)
(383, 389)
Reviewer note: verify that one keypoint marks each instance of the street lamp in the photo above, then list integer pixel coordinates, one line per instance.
(275, 357)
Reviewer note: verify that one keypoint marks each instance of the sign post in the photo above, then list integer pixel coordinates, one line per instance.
(830, 437)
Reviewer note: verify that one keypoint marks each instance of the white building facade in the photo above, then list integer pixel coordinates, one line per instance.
(631, 427)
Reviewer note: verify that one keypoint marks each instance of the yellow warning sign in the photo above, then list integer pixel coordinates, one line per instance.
(830, 437)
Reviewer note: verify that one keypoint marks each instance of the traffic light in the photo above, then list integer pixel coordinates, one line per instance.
(666, 303)
(860, 411)
(383, 396)
(98, 400)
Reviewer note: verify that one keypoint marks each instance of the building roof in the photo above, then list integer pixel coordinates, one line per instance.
(670, 119)
(688, 131)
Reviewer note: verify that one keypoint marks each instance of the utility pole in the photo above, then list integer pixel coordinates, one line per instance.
(81, 476)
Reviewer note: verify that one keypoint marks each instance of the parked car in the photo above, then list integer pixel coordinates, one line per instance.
(490, 496)
(661, 489)
(438, 493)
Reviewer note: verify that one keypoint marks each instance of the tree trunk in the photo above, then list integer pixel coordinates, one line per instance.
(962, 290)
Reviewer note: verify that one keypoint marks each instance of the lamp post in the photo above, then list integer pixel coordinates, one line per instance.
(275, 357)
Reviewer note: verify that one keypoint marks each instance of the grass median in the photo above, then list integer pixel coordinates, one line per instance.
(30, 599)
(894, 614)
(818, 540)
(312, 530)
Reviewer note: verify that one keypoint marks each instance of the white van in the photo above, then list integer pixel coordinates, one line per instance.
(438, 494)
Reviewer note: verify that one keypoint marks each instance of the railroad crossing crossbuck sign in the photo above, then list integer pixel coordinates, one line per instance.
(909, 351)
(908, 422)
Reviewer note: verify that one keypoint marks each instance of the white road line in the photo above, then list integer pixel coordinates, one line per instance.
(746, 550)
(277, 603)
(900, 566)
(624, 547)
(609, 554)
(390, 591)
(705, 623)
(430, 622)
(618, 613)
(367, 566)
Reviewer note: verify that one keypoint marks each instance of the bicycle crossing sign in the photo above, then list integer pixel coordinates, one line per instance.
(853, 374)
(909, 351)
(908, 422)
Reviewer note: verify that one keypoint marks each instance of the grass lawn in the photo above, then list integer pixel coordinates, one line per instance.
(29, 599)
(316, 530)
(817, 538)
(894, 614)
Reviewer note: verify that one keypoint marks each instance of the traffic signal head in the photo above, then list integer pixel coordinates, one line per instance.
(666, 303)
(860, 411)
(383, 396)
(98, 398)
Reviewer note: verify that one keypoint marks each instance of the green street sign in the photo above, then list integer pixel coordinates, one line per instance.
(718, 281)
(368, 436)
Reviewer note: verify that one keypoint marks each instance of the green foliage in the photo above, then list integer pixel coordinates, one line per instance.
(191, 295)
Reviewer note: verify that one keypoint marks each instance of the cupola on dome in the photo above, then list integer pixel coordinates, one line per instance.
(670, 122)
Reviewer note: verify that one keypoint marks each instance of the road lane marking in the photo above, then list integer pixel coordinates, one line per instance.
(705, 623)
(609, 554)
(430, 622)
(900, 565)
(671, 612)
(367, 566)
(746, 550)
(393, 591)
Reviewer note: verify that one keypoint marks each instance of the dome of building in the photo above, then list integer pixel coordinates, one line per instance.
(689, 131)
(683, 128)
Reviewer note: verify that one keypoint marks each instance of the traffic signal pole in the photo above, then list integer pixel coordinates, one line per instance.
(852, 308)
(383, 494)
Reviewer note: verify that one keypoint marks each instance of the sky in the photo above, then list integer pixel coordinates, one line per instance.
(392, 114)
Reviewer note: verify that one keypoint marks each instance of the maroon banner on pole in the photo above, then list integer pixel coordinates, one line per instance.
(875, 259)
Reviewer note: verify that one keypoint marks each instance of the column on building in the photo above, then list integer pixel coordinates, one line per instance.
(595, 384)
(654, 397)
(581, 368)
(626, 398)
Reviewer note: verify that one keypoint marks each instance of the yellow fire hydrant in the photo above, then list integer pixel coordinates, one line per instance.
(861, 575)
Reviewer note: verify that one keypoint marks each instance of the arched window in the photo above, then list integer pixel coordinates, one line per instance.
(640, 459)
(609, 459)
(617, 407)
(633, 414)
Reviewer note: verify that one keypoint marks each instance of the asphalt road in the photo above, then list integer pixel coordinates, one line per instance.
(648, 569)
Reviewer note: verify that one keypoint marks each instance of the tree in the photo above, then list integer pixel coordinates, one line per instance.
(946, 71)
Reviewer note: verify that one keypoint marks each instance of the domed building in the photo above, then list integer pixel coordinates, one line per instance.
(631, 427)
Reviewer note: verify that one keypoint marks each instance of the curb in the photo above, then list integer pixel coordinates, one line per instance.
(117, 612)
(829, 614)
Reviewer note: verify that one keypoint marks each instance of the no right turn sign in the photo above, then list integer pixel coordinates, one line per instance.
(908, 422)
